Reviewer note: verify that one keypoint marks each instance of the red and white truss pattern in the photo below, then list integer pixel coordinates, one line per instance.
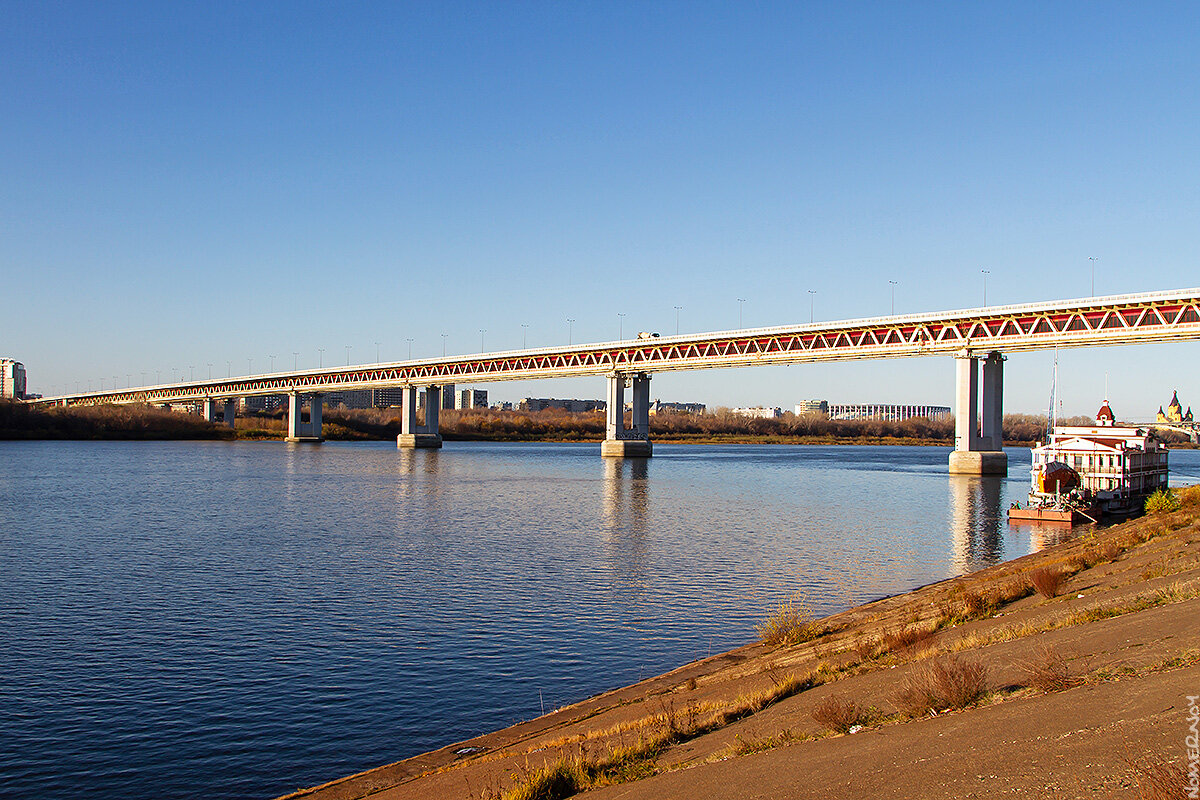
(1125, 319)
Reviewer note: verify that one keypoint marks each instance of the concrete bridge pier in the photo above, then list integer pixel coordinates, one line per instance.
(978, 443)
(297, 429)
(208, 409)
(230, 413)
(412, 434)
(632, 442)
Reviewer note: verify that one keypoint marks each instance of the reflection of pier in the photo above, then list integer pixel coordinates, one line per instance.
(626, 506)
(976, 521)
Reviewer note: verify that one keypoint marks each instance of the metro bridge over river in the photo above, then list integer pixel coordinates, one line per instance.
(968, 336)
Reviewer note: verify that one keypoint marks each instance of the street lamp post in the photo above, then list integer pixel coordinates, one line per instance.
(272, 362)
(210, 371)
(377, 352)
(320, 357)
(295, 361)
(228, 370)
(570, 331)
(985, 273)
(677, 310)
(893, 283)
(444, 335)
(409, 340)
(741, 302)
(1093, 259)
(812, 293)
(620, 326)
(482, 331)
(249, 366)
(347, 355)
(524, 334)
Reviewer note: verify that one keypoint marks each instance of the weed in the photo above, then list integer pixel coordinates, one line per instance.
(1046, 581)
(1162, 501)
(1048, 671)
(838, 715)
(1157, 778)
(867, 648)
(791, 623)
(943, 684)
(551, 782)
(905, 640)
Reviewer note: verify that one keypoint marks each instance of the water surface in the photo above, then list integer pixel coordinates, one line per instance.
(187, 619)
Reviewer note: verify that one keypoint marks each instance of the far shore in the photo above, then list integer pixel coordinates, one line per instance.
(139, 422)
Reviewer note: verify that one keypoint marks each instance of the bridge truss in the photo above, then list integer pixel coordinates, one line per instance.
(1116, 320)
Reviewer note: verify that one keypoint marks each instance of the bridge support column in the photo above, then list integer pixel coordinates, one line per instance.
(632, 442)
(230, 413)
(208, 409)
(414, 435)
(979, 451)
(297, 429)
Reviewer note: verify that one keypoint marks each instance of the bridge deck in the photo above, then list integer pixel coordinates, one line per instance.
(1115, 320)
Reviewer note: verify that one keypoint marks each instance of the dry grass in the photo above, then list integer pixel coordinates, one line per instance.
(791, 623)
(551, 782)
(838, 715)
(1157, 778)
(942, 684)
(1049, 671)
(1047, 581)
(905, 640)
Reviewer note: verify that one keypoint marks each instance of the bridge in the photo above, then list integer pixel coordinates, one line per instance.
(968, 336)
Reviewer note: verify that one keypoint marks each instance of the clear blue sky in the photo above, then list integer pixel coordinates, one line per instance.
(186, 184)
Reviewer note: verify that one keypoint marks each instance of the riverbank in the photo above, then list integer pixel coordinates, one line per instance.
(1059, 674)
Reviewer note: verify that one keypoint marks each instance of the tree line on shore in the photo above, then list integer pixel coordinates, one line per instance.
(22, 421)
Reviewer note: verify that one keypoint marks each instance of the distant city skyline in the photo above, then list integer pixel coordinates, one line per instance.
(216, 189)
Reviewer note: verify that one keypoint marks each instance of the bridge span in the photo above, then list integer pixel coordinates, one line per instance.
(967, 335)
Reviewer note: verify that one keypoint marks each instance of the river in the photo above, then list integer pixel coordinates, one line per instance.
(228, 620)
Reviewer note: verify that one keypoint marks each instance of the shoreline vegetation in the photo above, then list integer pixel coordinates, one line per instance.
(1058, 674)
(144, 422)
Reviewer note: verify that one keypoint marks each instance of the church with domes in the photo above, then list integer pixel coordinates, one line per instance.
(1174, 412)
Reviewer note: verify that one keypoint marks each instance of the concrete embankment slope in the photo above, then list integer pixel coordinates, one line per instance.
(973, 687)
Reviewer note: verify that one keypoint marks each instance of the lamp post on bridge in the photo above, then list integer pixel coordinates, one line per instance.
(482, 331)
(677, 310)
(444, 335)
(524, 334)
(377, 352)
(272, 362)
(1093, 259)
(985, 273)
(228, 370)
(894, 284)
(249, 366)
(347, 355)
(295, 361)
(210, 371)
(320, 357)
(812, 294)
(741, 302)
(620, 326)
(191, 373)
(570, 331)
(409, 340)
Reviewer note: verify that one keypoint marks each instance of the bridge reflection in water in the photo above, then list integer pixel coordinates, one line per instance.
(979, 524)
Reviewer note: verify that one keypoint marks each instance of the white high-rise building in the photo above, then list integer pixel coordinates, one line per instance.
(12, 379)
